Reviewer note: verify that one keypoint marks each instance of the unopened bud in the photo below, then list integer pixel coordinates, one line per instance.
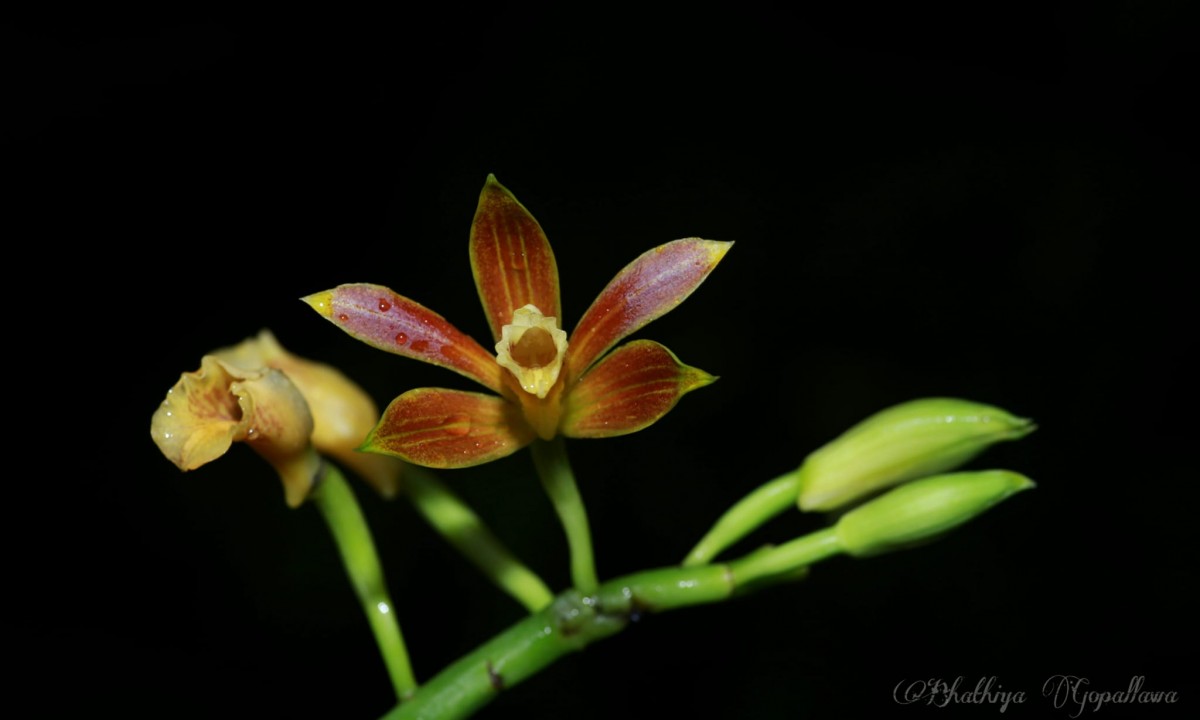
(924, 509)
(906, 441)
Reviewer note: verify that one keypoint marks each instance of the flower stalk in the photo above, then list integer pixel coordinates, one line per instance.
(576, 619)
(782, 560)
(762, 504)
(338, 506)
(554, 469)
(456, 522)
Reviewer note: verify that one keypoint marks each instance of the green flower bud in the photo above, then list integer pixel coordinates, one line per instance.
(924, 509)
(906, 441)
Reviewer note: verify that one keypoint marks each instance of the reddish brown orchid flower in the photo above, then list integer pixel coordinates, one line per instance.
(547, 384)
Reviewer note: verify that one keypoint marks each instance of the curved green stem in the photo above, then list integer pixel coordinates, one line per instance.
(575, 620)
(336, 501)
(779, 562)
(748, 514)
(550, 458)
(455, 520)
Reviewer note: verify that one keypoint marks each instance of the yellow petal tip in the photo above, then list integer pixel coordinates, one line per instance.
(492, 185)
(717, 249)
(695, 378)
(322, 302)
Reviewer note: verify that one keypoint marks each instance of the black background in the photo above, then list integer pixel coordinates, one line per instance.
(992, 206)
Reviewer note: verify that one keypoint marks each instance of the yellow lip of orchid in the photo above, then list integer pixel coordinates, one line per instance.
(532, 347)
(547, 383)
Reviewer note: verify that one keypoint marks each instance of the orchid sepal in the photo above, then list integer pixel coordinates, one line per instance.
(645, 290)
(393, 323)
(631, 388)
(444, 429)
(511, 259)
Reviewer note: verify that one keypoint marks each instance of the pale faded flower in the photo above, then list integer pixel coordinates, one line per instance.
(343, 413)
(221, 403)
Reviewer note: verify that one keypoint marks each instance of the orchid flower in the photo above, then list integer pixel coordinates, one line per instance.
(547, 383)
(259, 392)
(287, 409)
(342, 412)
(222, 403)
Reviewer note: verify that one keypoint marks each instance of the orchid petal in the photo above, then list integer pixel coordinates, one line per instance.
(511, 259)
(635, 386)
(200, 418)
(645, 290)
(391, 322)
(440, 428)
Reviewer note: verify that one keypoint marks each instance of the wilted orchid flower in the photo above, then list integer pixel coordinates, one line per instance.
(258, 392)
(343, 413)
(221, 403)
(549, 384)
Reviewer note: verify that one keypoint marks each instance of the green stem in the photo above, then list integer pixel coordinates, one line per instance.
(451, 517)
(336, 501)
(748, 514)
(575, 620)
(783, 560)
(550, 458)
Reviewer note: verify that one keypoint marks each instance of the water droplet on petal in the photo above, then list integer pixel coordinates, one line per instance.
(343, 317)
(401, 338)
(457, 424)
(420, 345)
(384, 305)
